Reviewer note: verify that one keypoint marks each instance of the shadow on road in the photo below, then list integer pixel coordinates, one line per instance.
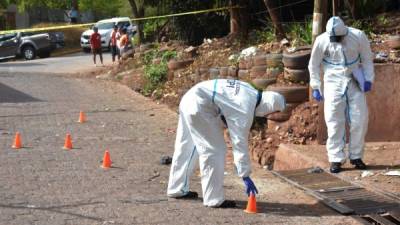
(11, 95)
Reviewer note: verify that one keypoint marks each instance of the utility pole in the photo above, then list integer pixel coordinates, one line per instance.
(317, 19)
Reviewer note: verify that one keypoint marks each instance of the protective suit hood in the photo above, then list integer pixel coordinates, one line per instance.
(335, 27)
(270, 102)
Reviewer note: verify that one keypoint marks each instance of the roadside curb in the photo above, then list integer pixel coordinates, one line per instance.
(62, 53)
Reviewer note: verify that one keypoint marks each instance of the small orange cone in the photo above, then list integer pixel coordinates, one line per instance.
(17, 142)
(68, 142)
(82, 117)
(106, 160)
(251, 204)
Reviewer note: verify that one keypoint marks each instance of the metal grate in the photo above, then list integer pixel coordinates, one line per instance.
(346, 198)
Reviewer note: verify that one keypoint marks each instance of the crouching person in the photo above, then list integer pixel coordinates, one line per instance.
(200, 136)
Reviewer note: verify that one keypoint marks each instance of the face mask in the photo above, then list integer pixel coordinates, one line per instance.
(335, 38)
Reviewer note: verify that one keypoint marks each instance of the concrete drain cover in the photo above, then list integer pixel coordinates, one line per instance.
(346, 198)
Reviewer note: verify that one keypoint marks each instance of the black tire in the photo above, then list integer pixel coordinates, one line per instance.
(273, 72)
(86, 50)
(260, 60)
(243, 74)
(258, 72)
(181, 64)
(297, 76)
(393, 42)
(223, 72)
(293, 94)
(274, 60)
(297, 60)
(262, 83)
(44, 54)
(214, 73)
(28, 52)
(283, 116)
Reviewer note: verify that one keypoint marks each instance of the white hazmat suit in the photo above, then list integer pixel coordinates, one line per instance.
(200, 134)
(343, 97)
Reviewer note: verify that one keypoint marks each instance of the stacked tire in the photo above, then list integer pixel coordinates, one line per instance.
(176, 67)
(294, 96)
(295, 64)
(265, 70)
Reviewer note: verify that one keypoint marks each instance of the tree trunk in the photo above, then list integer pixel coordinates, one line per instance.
(274, 14)
(138, 12)
(239, 19)
(351, 5)
(244, 17)
(235, 20)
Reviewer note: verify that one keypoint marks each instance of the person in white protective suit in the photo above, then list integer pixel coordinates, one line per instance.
(200, 136)
(343, 52)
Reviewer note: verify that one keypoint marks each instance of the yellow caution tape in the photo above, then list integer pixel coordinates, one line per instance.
(135, 19)
(188, 13)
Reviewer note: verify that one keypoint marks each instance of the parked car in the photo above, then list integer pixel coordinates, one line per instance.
(105, 28)
(29, 45)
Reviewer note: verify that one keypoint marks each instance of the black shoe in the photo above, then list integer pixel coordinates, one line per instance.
(358, 164)
(335, 167)
(189, 195)
(226, 204)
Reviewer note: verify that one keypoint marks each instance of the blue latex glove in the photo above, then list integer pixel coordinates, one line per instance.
(316, 95)
(250, 187)
(367, 86)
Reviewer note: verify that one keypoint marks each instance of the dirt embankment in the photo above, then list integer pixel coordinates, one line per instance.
(265, 137)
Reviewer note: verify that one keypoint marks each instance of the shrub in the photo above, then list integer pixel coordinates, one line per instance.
(300, 33)
(155, 75)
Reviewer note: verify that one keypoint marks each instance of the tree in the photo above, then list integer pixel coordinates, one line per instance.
(101, 7)
(274, 14)
(138, 12)
(53, 4)
(239, 18)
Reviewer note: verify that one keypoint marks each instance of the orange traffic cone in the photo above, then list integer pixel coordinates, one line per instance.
(106, 160)
(68, 142)
(82, 117)
(251, 204)
(17, 142)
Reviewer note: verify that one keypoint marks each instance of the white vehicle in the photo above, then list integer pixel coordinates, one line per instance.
(105, 28)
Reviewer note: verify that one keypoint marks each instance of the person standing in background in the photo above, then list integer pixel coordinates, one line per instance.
(113, 44)
(124, 42)
(95, 44)
(73, 15)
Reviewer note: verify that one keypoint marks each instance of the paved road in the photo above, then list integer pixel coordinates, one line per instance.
(56, 65)
(43, 184)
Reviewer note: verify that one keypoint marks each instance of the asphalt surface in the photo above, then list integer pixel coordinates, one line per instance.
(45, 184)
(74, 63)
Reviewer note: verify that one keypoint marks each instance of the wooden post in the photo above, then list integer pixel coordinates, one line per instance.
(317, 19)
(333, 7)
(235, 21)
(318, 25)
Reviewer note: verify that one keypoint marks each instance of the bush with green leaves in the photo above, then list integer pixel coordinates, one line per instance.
(300, 33)
(156, 74)
(265, 35)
